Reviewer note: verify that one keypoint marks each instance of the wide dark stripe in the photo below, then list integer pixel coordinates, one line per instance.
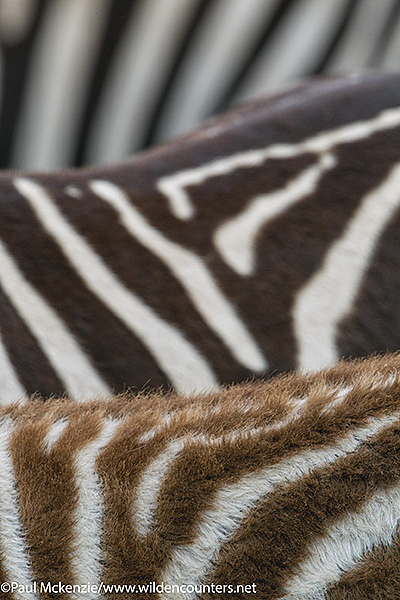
(376, 576)
(31, 365)
(277, 533)
(114, 351)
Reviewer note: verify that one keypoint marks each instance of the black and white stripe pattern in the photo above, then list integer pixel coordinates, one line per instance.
(88, 82)
(252, 246)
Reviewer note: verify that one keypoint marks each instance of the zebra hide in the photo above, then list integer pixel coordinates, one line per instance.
(290, 487)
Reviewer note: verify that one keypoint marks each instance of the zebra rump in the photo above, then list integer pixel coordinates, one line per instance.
(282, 489)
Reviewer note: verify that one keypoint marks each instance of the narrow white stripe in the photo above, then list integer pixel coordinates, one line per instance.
(148, 489)
(12, 543)
(58, 344)
(203, 291)
(345, 544)
(11, 389)
(61, 63)
(173, 186)
(236, 238)
(193, 563)
(329, 295)
(86, 560)
(182, 362)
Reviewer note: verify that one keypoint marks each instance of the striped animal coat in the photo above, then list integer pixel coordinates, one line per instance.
(287, 489)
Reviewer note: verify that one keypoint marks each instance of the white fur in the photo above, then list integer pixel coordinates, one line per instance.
(236, 238)
(345, 545)
(11, 388)
(13, 548)
(54, 434)
(328, 297)
(57, 343)
(194, 276)
(193, 563)
(88, 517)
(185, 366)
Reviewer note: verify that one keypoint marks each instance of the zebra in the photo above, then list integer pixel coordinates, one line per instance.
(262, 242)
(287, 488)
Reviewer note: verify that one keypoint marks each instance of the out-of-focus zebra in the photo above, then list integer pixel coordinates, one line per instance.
(111, 76)
(288, 489)
(265, 241)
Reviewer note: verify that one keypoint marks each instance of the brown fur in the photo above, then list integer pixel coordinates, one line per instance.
(237, 432)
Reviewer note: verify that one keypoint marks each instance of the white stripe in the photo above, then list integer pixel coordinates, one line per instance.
(61, 63)
(58, 344)
(328, 297)
(86, 560)
(12, 543)
(193, 562)
(182, 362)
(54, 434)
(346, 543)
(189, 269)
(236, 238)
(11, 389)
(148, 489)
(180, 204)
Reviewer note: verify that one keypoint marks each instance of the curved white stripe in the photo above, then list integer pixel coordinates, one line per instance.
(173, 186)
(148, 489)
(86, 560)
(193, 562)
(345, 544)
(54, 434)
(190, 270)
(236, 238)
(184, 365)
(62, 61)
(328, 297)
(11, 388)
(14, 553)
(58, 344)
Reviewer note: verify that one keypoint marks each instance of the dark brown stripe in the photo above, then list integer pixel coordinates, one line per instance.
(47, 492)
(377, 576)
(114, 351)
(31, 365)
(276, 536)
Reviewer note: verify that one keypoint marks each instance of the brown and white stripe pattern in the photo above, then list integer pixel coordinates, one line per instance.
(263, 242)
(291, 484)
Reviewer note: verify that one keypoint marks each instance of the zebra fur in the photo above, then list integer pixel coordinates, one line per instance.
(290, 486)
(263, 242)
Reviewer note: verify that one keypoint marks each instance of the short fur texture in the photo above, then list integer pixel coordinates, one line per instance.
(292, 485)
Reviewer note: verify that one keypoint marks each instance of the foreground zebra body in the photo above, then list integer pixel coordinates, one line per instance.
(265, 241)
(290, 487)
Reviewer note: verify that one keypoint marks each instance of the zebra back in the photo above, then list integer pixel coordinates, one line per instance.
(288, 487)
